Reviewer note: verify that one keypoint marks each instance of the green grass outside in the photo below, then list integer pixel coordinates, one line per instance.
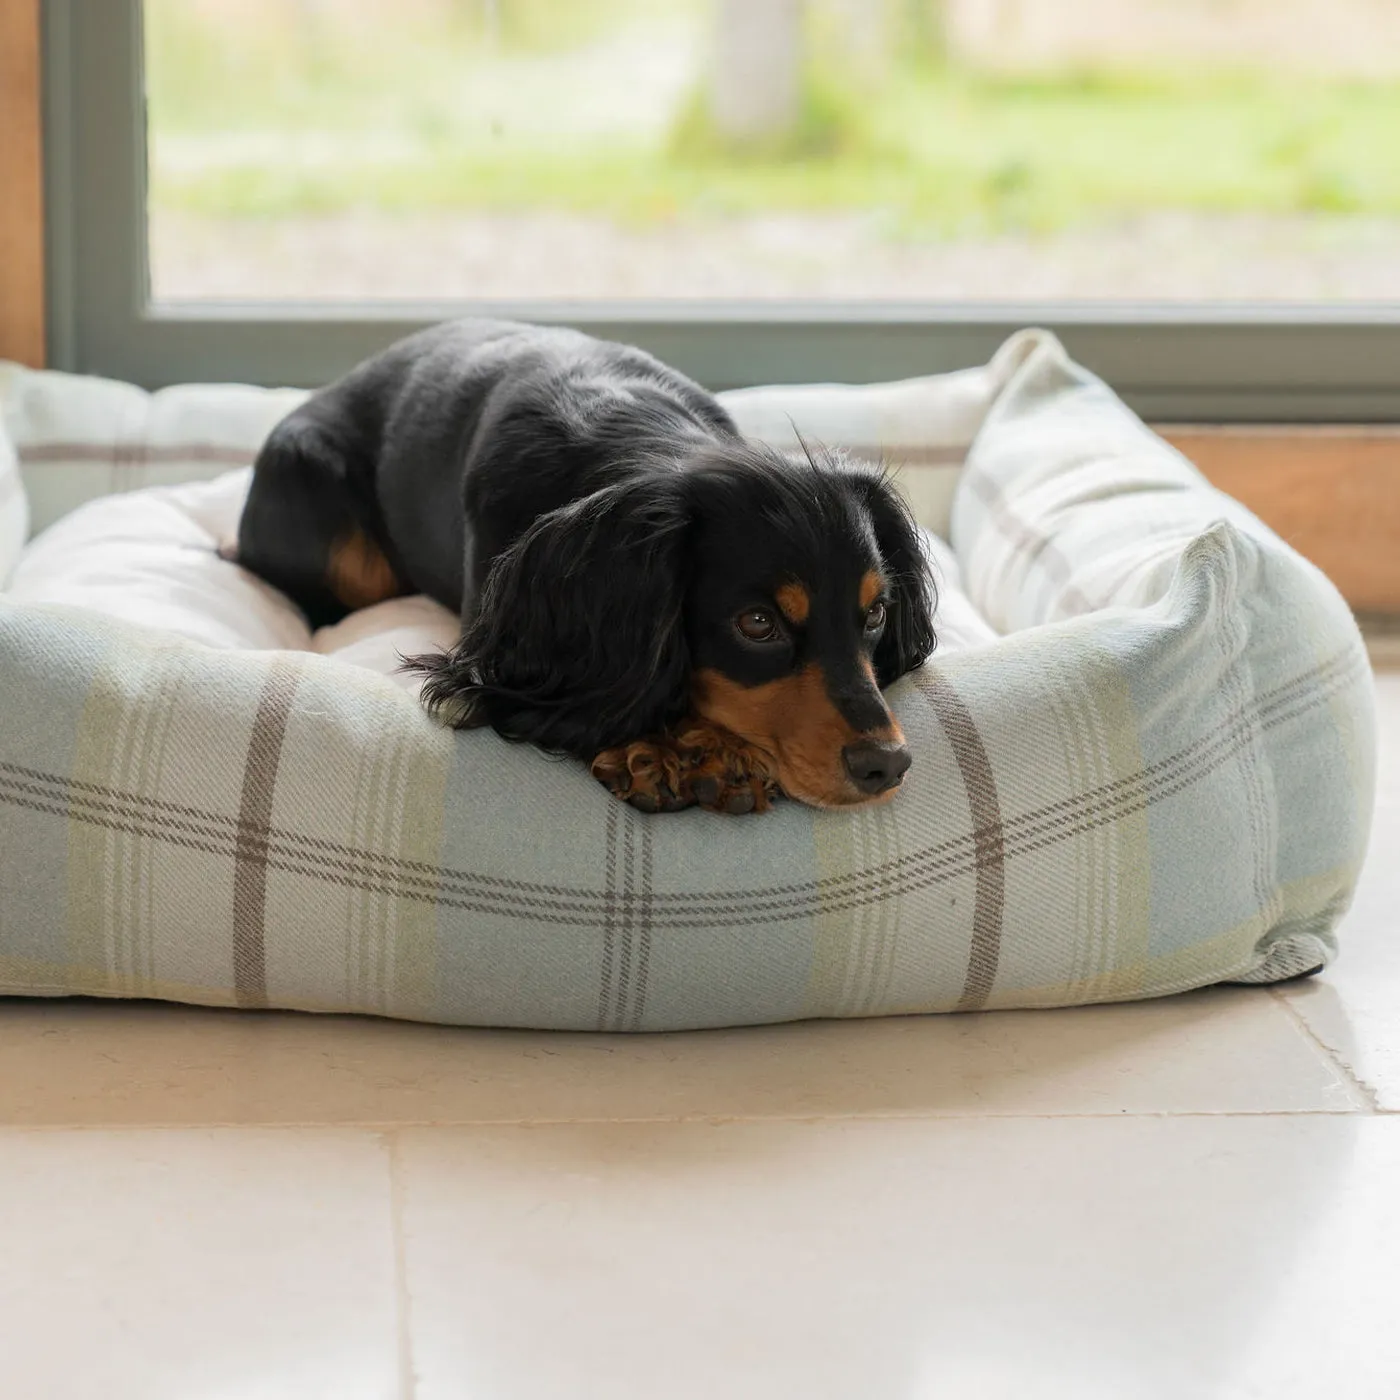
(929, 151)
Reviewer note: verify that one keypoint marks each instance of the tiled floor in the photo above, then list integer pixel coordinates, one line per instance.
(1191, 1198)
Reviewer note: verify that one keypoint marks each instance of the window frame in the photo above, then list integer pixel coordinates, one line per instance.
(1214, 363)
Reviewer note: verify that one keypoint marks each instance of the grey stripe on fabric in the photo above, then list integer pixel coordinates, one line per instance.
(351, 867)
(989, 841)
(254, 829)
(644, 927)
(617, 1014)
(126, 455)
(605, 980)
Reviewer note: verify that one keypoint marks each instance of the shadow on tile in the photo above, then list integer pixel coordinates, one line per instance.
(1224, 1050)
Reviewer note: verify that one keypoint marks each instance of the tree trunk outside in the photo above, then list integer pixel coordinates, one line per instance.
(756, 81)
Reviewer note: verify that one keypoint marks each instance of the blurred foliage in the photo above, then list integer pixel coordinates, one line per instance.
(832, 124)
(461, 104)
(544, 26)
(229, 64)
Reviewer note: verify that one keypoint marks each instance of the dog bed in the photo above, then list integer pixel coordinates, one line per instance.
(1144, 753)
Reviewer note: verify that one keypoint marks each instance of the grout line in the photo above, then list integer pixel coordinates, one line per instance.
(1366, 1091)
(408, 1378)
(388, 1128)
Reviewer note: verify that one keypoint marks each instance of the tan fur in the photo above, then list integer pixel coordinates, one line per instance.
(794, 720)
(358, 573)
(871, 587)
(795, 602)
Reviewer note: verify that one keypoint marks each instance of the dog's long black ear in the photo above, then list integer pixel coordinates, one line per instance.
(578, 641)
(909, 637)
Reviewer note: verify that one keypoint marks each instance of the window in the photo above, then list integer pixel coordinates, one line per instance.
(1201, 196)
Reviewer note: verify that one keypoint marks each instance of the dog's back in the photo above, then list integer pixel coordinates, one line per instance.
(417, 468)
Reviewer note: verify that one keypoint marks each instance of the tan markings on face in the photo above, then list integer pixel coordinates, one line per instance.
(358, 573)
(794, 720)
(871, 586)
(795, 602)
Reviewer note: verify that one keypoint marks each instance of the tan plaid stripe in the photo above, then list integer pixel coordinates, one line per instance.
(1030, 543)
(254, 825)
(278, 849)
(645, 912)
(612, 823)
(625, 924)
(132, 454)
(989, 843)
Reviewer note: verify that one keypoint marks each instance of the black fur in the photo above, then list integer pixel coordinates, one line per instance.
(597, 521)
(909, 638)
(578, 639)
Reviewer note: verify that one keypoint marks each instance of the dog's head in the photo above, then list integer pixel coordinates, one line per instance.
(774, 596)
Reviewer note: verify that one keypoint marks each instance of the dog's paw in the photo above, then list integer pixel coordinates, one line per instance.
(698, 765)
(723, 772)
(647, 774)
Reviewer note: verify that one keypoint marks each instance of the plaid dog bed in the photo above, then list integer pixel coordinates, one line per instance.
(1158, 776)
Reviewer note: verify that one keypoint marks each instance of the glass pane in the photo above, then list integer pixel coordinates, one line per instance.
(738, 149)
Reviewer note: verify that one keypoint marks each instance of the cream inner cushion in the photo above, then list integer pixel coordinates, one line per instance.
(151, 557)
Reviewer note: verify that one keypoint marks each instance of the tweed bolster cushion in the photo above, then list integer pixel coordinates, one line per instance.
(1159, 776)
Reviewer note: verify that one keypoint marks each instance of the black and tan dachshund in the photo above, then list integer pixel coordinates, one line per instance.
(703, 619)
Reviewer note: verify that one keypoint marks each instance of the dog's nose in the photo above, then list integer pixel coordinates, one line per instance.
(874, 766)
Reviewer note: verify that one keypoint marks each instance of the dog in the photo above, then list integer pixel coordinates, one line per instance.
(705, 620)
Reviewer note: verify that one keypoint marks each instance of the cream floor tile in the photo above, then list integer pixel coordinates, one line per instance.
(1226, 1050)
(1355, 1010)
(197, 1265)
(1198, 1258)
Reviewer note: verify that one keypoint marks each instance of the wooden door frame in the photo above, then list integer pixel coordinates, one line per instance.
(22, 284)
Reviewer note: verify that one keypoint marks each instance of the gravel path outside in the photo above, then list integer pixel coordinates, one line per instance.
(371, 256)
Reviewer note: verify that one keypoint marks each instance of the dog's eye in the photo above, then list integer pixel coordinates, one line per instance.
(757, 625)
(874, 617)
